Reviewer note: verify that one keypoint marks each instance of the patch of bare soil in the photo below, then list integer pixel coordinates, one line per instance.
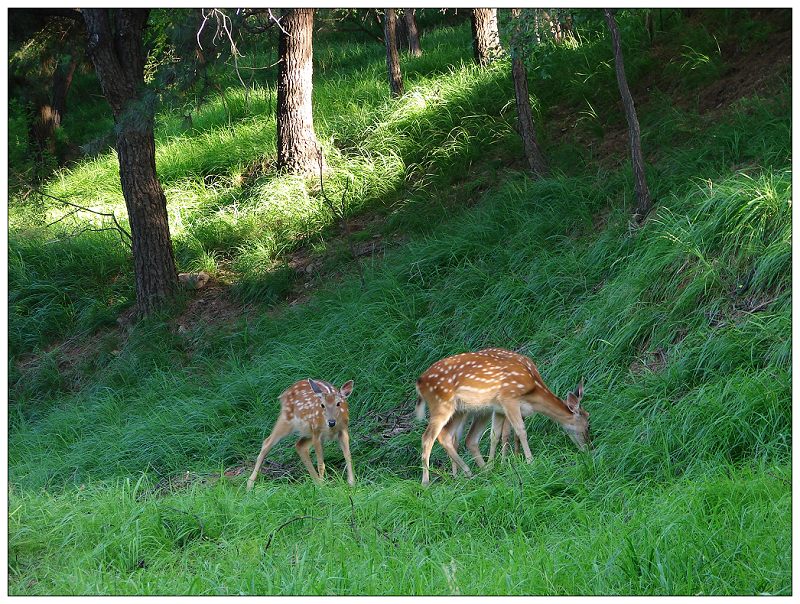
(70, 353)
(748, 72)
(654, 361)
(175, 483)
(211, 305)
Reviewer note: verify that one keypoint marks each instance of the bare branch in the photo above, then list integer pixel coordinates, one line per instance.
(78, 208)
(277, 22)
(288, 522)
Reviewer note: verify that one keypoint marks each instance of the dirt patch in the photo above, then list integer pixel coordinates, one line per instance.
(212, 305)
(654, 361)
(748, 74)
(71, 353)
(185, 480)
(396, 421)
(741, 309)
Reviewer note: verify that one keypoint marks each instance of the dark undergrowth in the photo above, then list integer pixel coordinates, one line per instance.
(681, 328)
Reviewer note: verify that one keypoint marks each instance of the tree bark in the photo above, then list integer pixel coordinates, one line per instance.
(62, 81)
(413, 33)
(643, 200)
(298, 149)
(485, 36)
(119, 58)
(392, 56)
(526, 129)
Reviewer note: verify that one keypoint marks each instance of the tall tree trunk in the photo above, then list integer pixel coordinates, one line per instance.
(119, 59)
(392, 56)
(485, 36)
(643, 200)
(62, 81)
(413, 33)
(51, 112)
(298, 149)
(526, 129)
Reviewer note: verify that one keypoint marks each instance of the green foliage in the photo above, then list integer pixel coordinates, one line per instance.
(681, 328)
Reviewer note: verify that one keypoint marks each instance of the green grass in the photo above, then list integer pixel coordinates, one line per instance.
(688, 490)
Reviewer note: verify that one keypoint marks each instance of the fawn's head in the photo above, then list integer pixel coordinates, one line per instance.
(578, 430)
(333, 401)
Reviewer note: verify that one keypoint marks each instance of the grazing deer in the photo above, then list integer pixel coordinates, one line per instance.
(479, 383)
(317, 411)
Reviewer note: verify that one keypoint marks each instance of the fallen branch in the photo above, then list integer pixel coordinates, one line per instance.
(288, 522)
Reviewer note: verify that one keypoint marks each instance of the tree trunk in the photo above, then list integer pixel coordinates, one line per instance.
(298, 149)
(51, 112)
(526, 129)
(643, 201)
(485, 37)
(119, 59)
(413, 33)
(62, 80)
(392, 56)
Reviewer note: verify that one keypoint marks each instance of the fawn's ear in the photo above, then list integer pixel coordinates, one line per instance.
(346, 388)
(573, 403)
(579, 390)
(315, 386)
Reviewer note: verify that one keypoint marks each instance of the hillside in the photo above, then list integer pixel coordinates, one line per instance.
(127, 443)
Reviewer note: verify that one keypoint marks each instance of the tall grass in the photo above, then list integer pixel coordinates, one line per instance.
(680, 327)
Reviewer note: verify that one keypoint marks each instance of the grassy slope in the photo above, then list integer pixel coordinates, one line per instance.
(687, 491)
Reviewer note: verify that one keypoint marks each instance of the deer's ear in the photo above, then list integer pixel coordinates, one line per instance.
(346, 388)
(573, 403)
(315, 386)
(579, 390)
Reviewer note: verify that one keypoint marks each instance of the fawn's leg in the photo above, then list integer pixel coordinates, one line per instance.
(455, 427)
(514, 415)
(474, 437)
(498, 423)
(344, 443)
(447, 439)
(317, 440)
(302, 446)
(506, 434)
(438, 418)
(281, 429)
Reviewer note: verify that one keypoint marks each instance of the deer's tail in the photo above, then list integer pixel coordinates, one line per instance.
(420, 409)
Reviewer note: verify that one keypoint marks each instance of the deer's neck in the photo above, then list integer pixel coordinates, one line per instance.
(547, 403)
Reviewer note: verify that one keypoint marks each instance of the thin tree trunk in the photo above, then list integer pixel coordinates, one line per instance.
(298, 149)
(392, 56)
(62, 81)
(119, 58)
(485, 36)
(526, 129)
(643, 200)
(413, 33)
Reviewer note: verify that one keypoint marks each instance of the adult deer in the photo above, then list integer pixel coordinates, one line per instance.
(317, 411)
(479, 383)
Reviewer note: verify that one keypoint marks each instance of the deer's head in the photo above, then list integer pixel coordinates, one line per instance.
(578, 429)
(333, 401)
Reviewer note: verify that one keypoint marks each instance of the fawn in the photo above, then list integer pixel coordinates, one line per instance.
(479, 383)
(317, 411)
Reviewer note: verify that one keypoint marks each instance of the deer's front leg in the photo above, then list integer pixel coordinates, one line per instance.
(302, 446)
(317, 440)
(344, 442)
(514, 415)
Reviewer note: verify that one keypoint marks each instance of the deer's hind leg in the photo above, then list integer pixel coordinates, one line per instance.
(448, 438)
(474, 436)
(440, 414)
